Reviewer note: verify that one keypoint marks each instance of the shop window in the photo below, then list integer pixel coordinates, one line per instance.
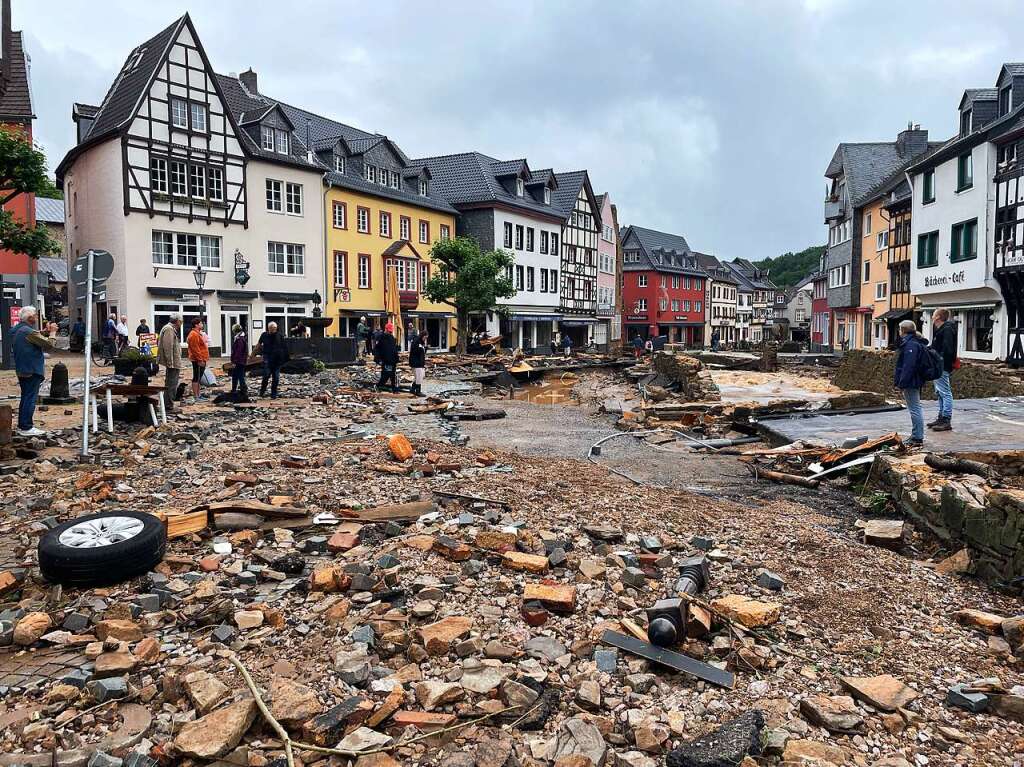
(978, 330)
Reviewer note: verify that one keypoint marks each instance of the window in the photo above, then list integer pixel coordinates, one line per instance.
(1006, 156)
(641, 280)
(197, 180)
(963, 241)
(519, 187)
(285, 258)
(423, 187)
(867, 271)
(881, 291)
(664, 281)
(641, 304)
(978, 337)
(215, 184)
(530, 278)
(383, 176)
(293, 199)
(662, 304)
(927, 249)
(697, 306)
(929, 187)
(675, 304)
(424, 231)
(424, 276)
(197, 112)
(519, 277)
(543, 279)
(371, 174)
(404, 228)
(686, 305)
(158, 174)
(385, 224)
(867, 223)
(965, 122)
(339, 164)
(405, 272)
(446, 232)
(163, 248)
(364, 271)
(553, 280)
(340, 211)
(363, 219)
(675, 281)
(340, 269)
(554, 244)
(274, 191)
(964, 172)
(547, 195)
(267, 138)
(396, 181)
(281, 139)
(179, 186)
(1005, 100)
(543, 241)
(179, 113)
(529, 238)
(882, 240)
(519, 237)
(508, 235)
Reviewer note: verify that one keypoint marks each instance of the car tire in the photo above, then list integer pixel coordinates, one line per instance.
(102, 549)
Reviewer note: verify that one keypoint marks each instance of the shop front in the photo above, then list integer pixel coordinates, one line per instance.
(682, 330)
(637, 324)
(439, 326)
(580, 330)
(981, 323)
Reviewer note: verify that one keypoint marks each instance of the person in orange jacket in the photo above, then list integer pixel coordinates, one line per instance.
(198, 353)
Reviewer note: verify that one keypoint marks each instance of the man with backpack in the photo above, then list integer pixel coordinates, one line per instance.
(944, 341)
(915, 365)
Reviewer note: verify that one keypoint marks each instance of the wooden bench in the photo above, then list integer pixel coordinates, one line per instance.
(126, 390)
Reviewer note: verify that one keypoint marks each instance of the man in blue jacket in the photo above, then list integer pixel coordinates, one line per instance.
(909, 377)
(28, 345)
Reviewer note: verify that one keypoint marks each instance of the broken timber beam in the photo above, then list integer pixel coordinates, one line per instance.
(669, 658)
(788, 479)
(957, 465)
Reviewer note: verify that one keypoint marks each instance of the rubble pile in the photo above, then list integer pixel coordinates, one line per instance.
(694, 379)
(338, 589)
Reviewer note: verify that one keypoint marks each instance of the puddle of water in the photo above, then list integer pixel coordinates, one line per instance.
(548, 392)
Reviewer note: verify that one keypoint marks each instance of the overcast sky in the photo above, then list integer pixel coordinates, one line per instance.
(711, 120)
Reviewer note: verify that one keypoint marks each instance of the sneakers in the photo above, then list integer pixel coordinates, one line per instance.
(914, 442)
(33, 432)
(936, 422)
(943, 424)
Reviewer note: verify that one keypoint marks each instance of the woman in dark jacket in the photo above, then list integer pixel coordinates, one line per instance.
(239, 356)
(387, 353)
(909, 377)
(418, 361)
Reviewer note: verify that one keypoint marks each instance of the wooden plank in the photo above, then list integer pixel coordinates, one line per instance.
(397, 513)
(256, 507)
(180, 525)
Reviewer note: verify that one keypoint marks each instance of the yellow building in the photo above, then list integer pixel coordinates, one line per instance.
(871, 330)
(381, 215)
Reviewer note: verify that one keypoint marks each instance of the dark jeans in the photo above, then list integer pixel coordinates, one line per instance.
(237, 378)
(369, 344)
(388, 372)
(270, 373)
(27, 406)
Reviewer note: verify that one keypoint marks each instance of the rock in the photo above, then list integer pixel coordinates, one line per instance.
(122, 630)
(340, 542)
(325, 729)
(100, 759)
(1007, 706)
(531, 563)
(110, 688)
(400, 447)
(439, 636)
(989, 623)
(30, 628)
(498, 651)
(364, 739)
(999, 647)
(545, 648)
(204, 690)
(517, 694)
(292, 703)
(148, 650)
(892, 761)
(975, 702)
(248, 619)
(748, 612)
(1013, 631)
(223, 633)
(329, 579)
(837, 713)
(432, 694)
(482, 679)
(114, 664)
(651, 737)
(577, 736)
(606, 660)
(884, 692)
(884, 532)
(634, 759)
(766, 579)
(534, 613)
(592, 569)
(588, 695)
(556, 597)
(215, 734)
(422, 720)
(451, 549)
(730, 744)
(955, 564)
(813, 754)
(353, 666)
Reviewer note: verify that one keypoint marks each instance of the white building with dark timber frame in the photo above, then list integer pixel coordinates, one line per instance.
(167, 176)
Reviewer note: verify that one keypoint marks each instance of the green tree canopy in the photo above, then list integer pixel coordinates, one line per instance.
(23, 171)
(468, 279)
(789, 268)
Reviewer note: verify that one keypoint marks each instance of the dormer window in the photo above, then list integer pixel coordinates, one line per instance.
(274, 139)
(423, 187)
(520, 187)
(547, 195)
(965, 122)
(134, 60)
(396, 180)
(371, 173)
(339, 164)
(1005, 100)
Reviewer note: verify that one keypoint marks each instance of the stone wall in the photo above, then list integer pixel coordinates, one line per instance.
(694, 380)
(873, 371)
(963, 512)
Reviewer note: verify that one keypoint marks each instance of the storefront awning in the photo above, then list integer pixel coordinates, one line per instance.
(965, 305)
(238, 295)
(577, 322)
(272, 295)
(429, 315)
(894, 314)
(521, 316)
(192, 293)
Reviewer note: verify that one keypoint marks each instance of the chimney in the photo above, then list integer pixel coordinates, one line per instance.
(6, 43)
(912, 141)
(248, 80)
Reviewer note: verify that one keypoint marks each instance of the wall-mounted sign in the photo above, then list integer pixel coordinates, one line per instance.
(342, 295)
(681, 316)
(941, 280)
(635, 317)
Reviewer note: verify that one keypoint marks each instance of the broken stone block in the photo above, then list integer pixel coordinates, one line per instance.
(438, 637)
(531, 563)
(579, 737)
(748, 612)
(292, 703)
(955, 564)
(325, 729)
(836, 713)
(592, 569)
(364, 739)
(766, 579)
(975, 702)
(517, 694)
(223, 633)
(1013, 630)
(651, 737)
(215, 734)
(729, 744)
(557, 558)
(423, 720)
(989, 623)
(496, 540)
(606, 660)
(588, 695)
(481, 678)
(451, 549)
(432, 694)
(634, 577)
(204, 690)
(545, 648)
(812, 752)
(114, 664)
(353, 666)
(340, 542)
(884, 532)
(30, 628)
(122, 630)
(884, 692)
(556, 597)
(107, 689)
(329, 579)
(248, 619)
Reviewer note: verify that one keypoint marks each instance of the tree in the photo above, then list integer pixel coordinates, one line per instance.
(22, 171)
(468, 279)
(789, 269)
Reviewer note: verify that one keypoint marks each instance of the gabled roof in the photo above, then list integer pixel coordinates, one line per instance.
(563, 198)
(1012, 68)
(659, 251)
(978, 94)
(49, 211)
(958, 144)
(714, 268)
(433, 200)
(15, 89)
(398, 246)
(747, 273)
(866, 165)
(57, 268)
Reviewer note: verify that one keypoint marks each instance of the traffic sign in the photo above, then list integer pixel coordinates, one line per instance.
(102, 267)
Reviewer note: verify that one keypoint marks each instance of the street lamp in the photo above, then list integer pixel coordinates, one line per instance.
(200, 277)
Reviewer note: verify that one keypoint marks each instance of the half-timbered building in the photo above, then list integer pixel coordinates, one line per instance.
(210, 208)
(575, 200)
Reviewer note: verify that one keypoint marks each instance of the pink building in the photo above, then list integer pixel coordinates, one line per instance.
(609, 322)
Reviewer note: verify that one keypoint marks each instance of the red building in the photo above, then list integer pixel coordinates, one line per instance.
(820, 336)
(15, 116)
(663, 287)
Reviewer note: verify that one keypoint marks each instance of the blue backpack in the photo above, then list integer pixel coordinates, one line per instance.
(931, 364)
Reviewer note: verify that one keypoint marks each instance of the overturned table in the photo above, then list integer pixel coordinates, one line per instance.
(127, 390)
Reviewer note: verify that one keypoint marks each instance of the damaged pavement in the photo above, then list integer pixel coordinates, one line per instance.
(359, 578)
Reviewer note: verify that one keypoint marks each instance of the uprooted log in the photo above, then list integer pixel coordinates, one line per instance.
(778, 476)
(956, 465)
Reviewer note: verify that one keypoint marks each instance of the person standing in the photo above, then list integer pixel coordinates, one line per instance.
(141, 330)
(410, 335)
(77, 341)
(387, 353)
(554, 344)
(168, 354)
(27, 345)
(909, 377)
(715, 340)
(239, 356)
(418, 361)
(122, 333)
(110, 336)
(944, 341)
(638, 346)
(567, 344)
(363, 336)
(198, 353)
(271, 345)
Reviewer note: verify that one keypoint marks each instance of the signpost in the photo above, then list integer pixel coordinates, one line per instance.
(90, 270)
